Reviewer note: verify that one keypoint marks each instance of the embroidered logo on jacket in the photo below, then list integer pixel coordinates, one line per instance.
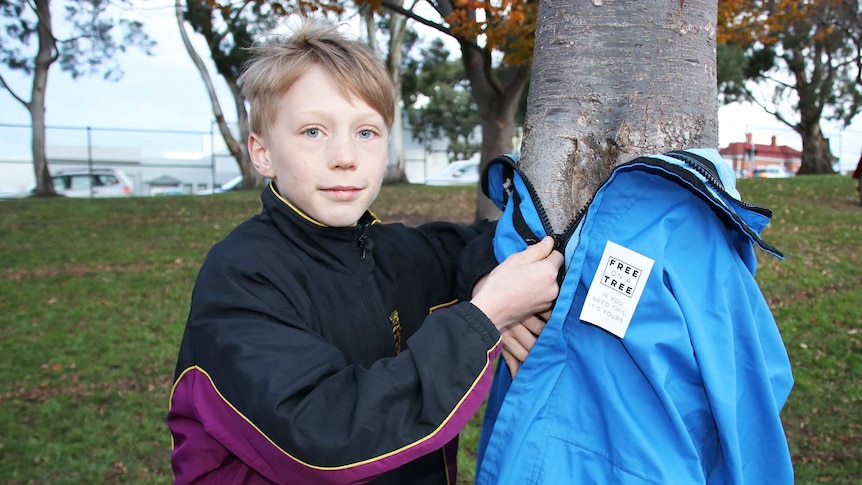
(396, 330)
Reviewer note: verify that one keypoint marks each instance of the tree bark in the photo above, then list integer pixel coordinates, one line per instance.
(36, 106)
(613, 80)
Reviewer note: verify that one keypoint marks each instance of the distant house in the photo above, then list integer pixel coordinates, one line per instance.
(747, 156)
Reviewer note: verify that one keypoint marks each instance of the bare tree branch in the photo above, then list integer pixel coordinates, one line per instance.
(8, 88)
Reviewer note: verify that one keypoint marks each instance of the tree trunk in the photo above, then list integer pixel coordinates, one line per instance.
(237, 148)
(395, 172)
(816, 157)
(45, 57)
(497, 97)
(613, 80)
(498, 132)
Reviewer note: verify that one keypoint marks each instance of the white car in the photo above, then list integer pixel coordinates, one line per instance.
(96, 182)
(771, 172)
(16, 195)
(462, 172)
(84, 183)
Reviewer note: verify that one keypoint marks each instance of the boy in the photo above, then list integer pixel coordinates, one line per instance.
(323, 346)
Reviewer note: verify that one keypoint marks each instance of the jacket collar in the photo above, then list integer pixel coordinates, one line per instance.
(335, 246)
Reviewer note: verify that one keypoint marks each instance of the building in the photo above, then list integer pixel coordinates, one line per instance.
(746, 156)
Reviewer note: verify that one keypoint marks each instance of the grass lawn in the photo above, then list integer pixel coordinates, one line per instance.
(94, 295)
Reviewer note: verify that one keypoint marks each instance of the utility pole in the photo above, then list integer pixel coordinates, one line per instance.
(750, 152)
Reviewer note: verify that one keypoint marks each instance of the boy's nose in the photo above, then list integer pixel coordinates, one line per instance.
(342, 155)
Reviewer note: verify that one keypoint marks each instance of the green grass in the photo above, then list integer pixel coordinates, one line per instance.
(94, 295)
(816, 298)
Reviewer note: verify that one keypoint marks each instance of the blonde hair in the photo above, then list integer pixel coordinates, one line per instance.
(275, 65)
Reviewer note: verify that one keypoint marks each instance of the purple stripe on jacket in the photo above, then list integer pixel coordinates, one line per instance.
(210, 435)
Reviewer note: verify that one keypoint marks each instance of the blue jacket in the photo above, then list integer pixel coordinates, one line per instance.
(691, 389)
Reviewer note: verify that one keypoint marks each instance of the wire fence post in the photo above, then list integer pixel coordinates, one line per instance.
(212, 157)
(90, 159)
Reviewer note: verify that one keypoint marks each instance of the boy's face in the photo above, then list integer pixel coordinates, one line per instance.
(327, 153)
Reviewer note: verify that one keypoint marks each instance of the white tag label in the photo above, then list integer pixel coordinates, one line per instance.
(616, 289)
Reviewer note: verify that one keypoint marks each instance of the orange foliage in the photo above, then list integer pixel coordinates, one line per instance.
(303, 7)
(735, 22)
(743, 22)
(508, 26)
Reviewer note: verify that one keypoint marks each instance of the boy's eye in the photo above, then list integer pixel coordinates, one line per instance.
(312, 132)
(366, 134)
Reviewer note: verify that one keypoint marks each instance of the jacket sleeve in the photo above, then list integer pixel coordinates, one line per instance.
(475, 261)
(467, 249)
(254, 381)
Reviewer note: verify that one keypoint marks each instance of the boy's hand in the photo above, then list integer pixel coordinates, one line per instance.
(525, 284)
(518, 340)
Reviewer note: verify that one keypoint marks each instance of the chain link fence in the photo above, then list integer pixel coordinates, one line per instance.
(189, 161)
(156, 161)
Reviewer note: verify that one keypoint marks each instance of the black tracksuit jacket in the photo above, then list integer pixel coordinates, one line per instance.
(319, 355)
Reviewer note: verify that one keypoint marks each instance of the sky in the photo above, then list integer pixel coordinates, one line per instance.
(165, 92)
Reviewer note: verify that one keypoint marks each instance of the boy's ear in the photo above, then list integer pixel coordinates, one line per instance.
(260, 156)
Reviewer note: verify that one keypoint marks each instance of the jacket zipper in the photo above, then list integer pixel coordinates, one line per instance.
(707, 169)
(561, 238)
(365, 245)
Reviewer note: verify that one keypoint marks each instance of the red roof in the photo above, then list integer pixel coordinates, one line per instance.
(781, 152)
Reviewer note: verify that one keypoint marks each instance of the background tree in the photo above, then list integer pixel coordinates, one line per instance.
(86, 41)
(798, 60)
(399, 40)
(496, 41)
(613, 80)
(437, 96)
(229, 29)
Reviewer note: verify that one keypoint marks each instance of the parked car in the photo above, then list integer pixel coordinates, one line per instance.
(771, 172)
(96, 182)
(85, 183)
(462, 172)
(15, 195)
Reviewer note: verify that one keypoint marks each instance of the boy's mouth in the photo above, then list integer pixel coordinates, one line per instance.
(342, 193)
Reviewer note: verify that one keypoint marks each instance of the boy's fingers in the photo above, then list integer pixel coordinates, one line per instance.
(534, 324)
(557, 258)
(535, 252)
(511, 362)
